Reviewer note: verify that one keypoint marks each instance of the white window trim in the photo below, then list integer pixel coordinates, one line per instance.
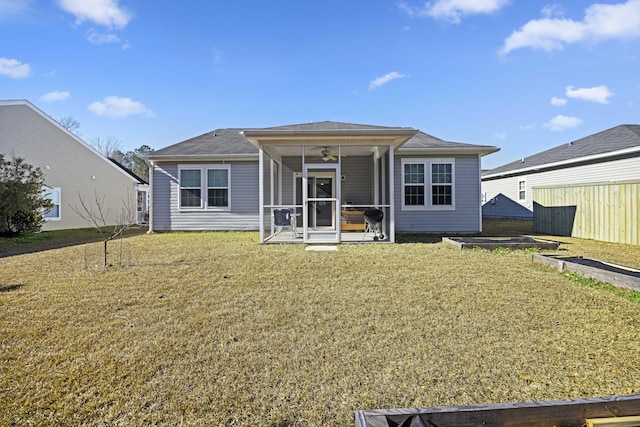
(51, 190)
(204, 193)
(525, 191)
(428, 206)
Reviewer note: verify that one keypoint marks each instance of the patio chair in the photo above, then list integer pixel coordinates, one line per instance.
(285, 218)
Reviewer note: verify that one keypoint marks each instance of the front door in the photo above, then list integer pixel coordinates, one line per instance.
(321, 213)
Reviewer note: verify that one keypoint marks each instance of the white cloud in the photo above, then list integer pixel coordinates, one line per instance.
(376, 83)
(96, 37)
(14, 68)
(601, 22)
(598, 94)
(55, 96)
(116, 107)
(560, 123)
(551, 10)
(558, 102)
(500, 135)
(102, 12)
(452, 10)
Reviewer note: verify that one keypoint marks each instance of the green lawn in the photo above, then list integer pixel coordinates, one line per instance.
(216, 329)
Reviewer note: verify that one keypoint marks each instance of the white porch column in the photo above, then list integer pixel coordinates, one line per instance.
(376, 179)
(261, 190)
(152, 168)
(392, 196)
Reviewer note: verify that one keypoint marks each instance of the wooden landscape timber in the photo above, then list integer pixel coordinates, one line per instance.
(490, 243)
(565, 413)
(623, 276)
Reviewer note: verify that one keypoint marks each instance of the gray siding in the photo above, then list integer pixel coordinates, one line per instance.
(612, 171)
(466, 215)
(358, 185)
(244, 213)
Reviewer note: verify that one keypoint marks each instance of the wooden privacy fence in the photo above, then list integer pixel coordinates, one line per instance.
(606, 211)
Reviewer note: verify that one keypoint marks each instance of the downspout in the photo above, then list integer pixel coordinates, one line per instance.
(150, 198)
(480, 189)
(261, 190)
(392, 196)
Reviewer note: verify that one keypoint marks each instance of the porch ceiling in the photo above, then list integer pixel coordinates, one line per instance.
(315, 150)
(326, 138)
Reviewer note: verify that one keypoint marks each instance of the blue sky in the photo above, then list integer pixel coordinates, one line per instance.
(522, 75)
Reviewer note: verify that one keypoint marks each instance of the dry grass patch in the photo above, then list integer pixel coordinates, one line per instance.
(215, 329)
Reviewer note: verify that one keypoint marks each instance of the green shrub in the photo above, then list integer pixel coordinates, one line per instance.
(21, 202)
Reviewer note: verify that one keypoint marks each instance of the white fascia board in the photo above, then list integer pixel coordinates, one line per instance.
(202, 158)
(446, 152)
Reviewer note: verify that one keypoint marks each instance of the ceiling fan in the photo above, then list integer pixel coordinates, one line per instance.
(326, 155)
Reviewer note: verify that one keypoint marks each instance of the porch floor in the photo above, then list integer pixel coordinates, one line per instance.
(345, 237)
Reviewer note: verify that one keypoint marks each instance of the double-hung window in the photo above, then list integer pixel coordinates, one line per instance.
(218, 188)
(428, 184)
(522, 190)
(191, 188)
(53, 195)
(204, 187)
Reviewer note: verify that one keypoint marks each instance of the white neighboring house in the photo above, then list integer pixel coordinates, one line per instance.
(73, 170)
(612, 155)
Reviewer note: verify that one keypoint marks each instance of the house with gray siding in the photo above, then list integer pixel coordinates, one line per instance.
(612, 155)
(325, 175)
(73, 170)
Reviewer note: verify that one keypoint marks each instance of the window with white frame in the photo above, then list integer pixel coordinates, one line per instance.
(52, 194)
(428, 184)
(522, 190)
(204, 187)
(218, 188)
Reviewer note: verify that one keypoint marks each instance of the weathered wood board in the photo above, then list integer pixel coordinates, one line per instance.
(520, 242)
(623, 276)
(566, 413)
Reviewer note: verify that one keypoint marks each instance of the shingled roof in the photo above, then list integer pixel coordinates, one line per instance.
(221, 143)
(609, 142)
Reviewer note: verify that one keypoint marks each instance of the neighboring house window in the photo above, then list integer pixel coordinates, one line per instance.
(52, 194)
(522, 190)
(204, 187)
(428, 183)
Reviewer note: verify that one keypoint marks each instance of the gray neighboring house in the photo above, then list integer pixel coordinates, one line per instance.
(72, 169)
(327, 174)
(612, 155)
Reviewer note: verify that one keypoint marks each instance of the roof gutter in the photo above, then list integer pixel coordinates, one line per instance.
(451, 151)
(564, 163)
(200, 157)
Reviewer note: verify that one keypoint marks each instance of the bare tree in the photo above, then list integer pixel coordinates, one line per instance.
(70, 124)
(108, 146)
(98, 216)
